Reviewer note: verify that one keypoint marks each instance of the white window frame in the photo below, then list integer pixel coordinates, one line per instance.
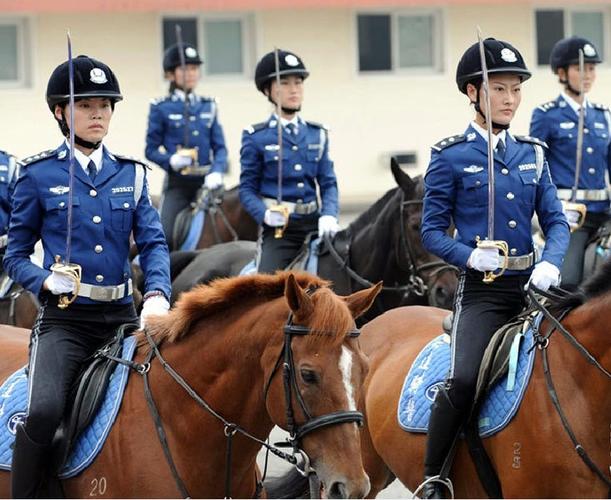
(604, 9)
(24, 55)
(438, 66)
(248, 39)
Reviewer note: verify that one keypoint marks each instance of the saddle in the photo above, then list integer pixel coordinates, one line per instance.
(87, 395)
(205, 201)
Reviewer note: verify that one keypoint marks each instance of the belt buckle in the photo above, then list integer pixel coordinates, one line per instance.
(105, 294)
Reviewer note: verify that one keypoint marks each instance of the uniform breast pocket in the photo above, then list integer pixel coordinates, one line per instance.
(270, 156)
(122, 213)
(529, 186)
(475, 189)
(566, 134)
(56, 213)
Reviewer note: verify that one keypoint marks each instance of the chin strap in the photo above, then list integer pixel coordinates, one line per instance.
(63, 124)
(498, 126)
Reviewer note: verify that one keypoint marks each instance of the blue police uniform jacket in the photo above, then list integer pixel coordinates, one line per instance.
(456, 190)
(105, 212)
(166, 131)
(8, 175)
(555, 123)
(305, 164)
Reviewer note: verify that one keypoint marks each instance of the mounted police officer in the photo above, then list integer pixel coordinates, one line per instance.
(9, 172)
(456, 191)
(556, 122)
(286, 205)
(184, 130)
(110, 200)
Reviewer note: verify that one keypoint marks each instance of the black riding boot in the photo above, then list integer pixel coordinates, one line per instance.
(28, 466)
(444, 425)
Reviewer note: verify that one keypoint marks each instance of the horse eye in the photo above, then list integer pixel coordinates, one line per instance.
(308, 376)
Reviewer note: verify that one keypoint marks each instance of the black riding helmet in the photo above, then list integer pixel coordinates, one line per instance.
(288, 64)
(92, 78)
(566, 52)
(171, 57)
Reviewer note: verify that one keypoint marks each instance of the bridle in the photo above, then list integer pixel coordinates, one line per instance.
(542, 342)
(211, 202)
(296, 431)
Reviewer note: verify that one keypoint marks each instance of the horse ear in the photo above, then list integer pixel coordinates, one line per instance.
(299, 301)
(403, 180)
(361, 301)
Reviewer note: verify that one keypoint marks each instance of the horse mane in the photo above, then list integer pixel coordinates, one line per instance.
(222, 294)
(373, 212)
(597, 285)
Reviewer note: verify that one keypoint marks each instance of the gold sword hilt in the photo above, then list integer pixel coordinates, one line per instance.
(490, 276)
(575, 214)
(74, 271)
(195, 168)
(279, 231)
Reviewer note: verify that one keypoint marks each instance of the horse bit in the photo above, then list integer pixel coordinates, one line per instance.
(296, 431)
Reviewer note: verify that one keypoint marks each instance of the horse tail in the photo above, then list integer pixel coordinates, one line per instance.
(290, 485)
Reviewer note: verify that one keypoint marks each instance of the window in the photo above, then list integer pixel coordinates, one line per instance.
(222, 41)
(553, 25)
(399, 41)
(14, 53)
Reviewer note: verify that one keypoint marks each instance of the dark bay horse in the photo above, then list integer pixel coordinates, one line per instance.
(18, 307)
(534, 455)
(261, 351)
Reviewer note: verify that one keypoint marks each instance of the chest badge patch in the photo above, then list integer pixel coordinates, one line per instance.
(567, 125)
(59, 189)
(473, 169)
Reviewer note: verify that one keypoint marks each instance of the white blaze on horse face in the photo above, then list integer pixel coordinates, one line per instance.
(345, 366)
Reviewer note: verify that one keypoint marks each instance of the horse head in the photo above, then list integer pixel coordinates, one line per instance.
(313, 385)
(435, 278)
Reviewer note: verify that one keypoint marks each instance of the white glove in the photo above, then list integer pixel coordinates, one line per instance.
(178, 161)
(156, 305)
(327, 224)
(213, 180)
(544, 275)
(484, 259)
(273, 218)
(58, 283)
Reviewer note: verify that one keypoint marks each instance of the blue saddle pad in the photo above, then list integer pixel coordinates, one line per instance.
(429, 370)
(195, 231)
(311, 261)
(13, 403)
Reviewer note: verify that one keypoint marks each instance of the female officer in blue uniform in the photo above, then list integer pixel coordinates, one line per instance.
(556, 123)
(8, 175)
(166, 135)
(109, 201)
(456, 190)
(306, 166)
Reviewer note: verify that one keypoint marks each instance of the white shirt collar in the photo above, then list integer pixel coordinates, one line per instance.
(501, 136)
(181, 95)
(84, 160)
(573, 103)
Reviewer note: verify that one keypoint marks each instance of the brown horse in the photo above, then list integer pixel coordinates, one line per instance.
(533, 456)
(18, 307)
(260, 351)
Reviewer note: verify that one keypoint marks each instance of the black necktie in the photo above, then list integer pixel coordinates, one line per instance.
(92, 170)
(500, 150)
(291, 128)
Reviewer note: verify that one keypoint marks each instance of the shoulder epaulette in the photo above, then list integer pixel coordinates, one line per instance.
(37, 157)
(449, 141)
(602, 107)
(317, 125)
(208, 98)
(158, 100)
(532, 140)
(130, 159)
(547, 106)
(256, 127)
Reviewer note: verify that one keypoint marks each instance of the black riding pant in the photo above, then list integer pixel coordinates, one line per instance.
(572, 269)
(480, 309)
(178, 193)
(277, 253)
(61, 341)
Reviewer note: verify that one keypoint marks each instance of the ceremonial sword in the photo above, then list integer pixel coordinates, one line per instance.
(490, 242)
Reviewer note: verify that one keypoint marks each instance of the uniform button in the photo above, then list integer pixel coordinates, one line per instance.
(571, 136)
(477, 183)
(513, 251)
(62, 204)
(99, 278)
(294, 147)
(512, 224)
(2, 179)
(275, 157)
(98, 249)
(93, 192)
(504, 171)
(298, 167)
(97, 219)
(299, 200)
(591, 170)
(300, 184)
(586, 131)
(125, 205)
(196, 132)
(590, 150)
(510, 196)
(192, 118)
